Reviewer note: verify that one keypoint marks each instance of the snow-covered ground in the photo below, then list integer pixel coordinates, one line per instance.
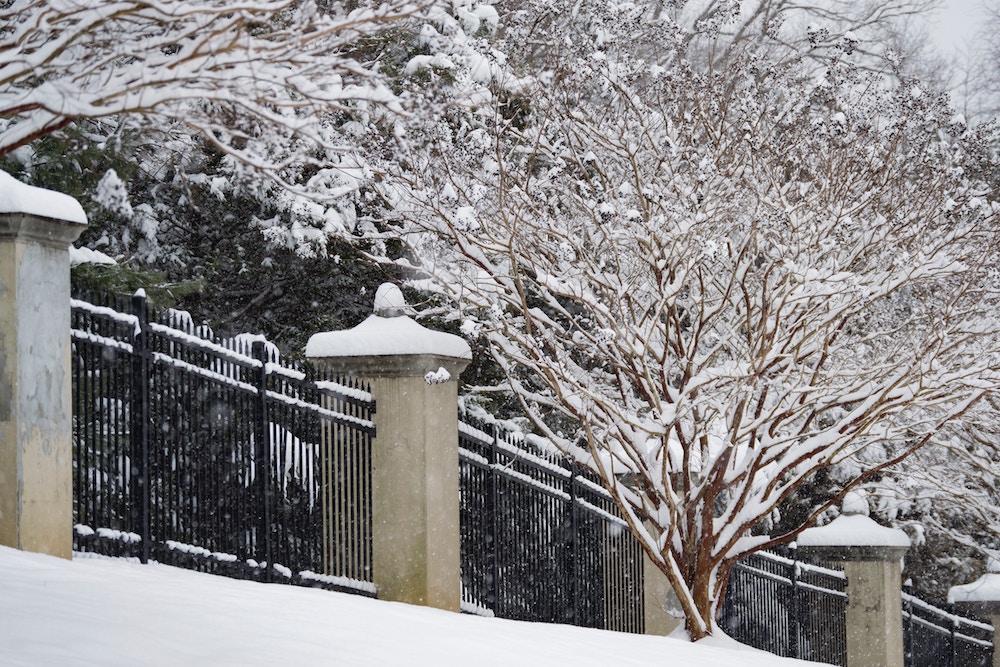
(98, 611)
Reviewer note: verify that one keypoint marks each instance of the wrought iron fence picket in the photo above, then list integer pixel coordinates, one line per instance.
(793, 610)
(797, 610)
(139, 412)
(263, 465)
(209, 455)
(540, 541)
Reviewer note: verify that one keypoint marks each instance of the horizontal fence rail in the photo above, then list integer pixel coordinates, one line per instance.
(788, 608)
(219, 456)
(935, 637)
(215, 455)
(798, 610)
(540, 540)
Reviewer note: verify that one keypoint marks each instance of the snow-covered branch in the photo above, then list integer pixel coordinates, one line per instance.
(260, 79)
(720, 285)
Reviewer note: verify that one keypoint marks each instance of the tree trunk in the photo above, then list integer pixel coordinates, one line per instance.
(707, 585)
(702, 591)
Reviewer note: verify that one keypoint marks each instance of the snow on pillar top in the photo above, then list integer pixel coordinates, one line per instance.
(16, 197)
(387, 335)
(854, 535)
(35, 214)
(982, 596)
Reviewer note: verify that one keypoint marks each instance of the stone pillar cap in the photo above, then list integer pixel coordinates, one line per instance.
(388, 333)
(855, 537)
(982, 595)
(17, 197)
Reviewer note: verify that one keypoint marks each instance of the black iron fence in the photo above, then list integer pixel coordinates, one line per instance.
(215, 455)
(935, 637)
(540, 540)
(219, 456)
(788, 608)
(798, 610)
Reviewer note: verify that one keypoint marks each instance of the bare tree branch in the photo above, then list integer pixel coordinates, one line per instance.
(259, 79)
(710, 287)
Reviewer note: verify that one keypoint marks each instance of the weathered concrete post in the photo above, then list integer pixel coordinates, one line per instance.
(661, 610)
(36, 453)
(872, 557)
(982, 598)
(413, 373)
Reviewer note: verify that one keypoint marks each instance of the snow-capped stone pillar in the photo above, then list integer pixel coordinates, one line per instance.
(413, 373)
(872, 556)
(982, 598)
(36, 454)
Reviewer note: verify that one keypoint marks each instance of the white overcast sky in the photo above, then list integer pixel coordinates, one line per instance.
(957, 23)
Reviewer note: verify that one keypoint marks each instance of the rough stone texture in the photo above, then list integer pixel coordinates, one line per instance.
(415, 490)
(36, 458)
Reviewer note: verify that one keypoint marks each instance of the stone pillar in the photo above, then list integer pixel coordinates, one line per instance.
(661, 610)
(659, 600)
(36, 453)
(413, 373)
(981, 598)
(872, 557)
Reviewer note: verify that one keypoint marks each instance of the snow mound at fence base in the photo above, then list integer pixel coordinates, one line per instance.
(101, 611)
